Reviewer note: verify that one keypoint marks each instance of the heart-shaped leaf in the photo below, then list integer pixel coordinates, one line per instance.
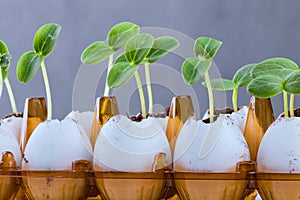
(45, 38)
(121, 58)
(221, 84)
(243, 76)
(206, 47)
(121, 33)
(120, 73)
(161, 47)
(280, 67)
(265, 86)
(96, 52)
(3, 47)
(28, 65)
(193, 69)
(138, 47)
(292, 83)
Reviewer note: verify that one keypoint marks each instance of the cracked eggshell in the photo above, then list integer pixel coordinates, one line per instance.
(84, 119)
(14, 124)
(8, 142)
(125, 145)
(54, 145)
(240, 117)
(213, 147)
(279, 149)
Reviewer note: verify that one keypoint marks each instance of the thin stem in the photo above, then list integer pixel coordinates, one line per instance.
(11, 96)
(149, 89)
(210, 97)
(110, 61)
(292, 103)
(48, 91)
(234, 99)
(140, 89)
(285, 104)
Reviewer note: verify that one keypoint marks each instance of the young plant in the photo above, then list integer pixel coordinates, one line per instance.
(241, 78)
(4, 65)
(43, 43)
(274, 76)
(195, 67)
(136, 50)
(161, 47)
(116, 39)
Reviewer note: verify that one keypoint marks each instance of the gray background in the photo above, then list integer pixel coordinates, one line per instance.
(251, 31)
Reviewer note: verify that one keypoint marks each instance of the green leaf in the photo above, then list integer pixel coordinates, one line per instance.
(3, 47)
(221, 84)
(243, 76)
(121, 58)
(96, 52)
(161, 47)
(206, 47)
(265, 86)
(5, 61)
(45, 38)
(280, 67)
(28, 65)
(292, 83)
(138, 47)
(120, 74)
(121, 33)
(193, 69)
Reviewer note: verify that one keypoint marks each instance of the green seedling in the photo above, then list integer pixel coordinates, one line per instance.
(152, 51)
(136, 51)
(5, 58)
(274, 76)
(43, 43)
(101, 50)
(241, 78)
(195, 67)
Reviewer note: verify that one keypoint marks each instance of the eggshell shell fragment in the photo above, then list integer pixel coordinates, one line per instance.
(213, 147)
(279, 150)
(125, 145)
(54, 145)
(8, 142)
(84, 119)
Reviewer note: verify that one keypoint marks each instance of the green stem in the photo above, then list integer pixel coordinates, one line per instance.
(292, 103)
(210, 97)
(142, 97)
(11, 97)
(48, 92)
(285, 104)
(234, 99)
(110, 61)
(148, 82)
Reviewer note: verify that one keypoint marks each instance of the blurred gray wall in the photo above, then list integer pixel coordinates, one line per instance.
(251, 31)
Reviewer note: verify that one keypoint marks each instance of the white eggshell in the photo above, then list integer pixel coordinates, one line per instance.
(8, 142)
(240, 117)
(54, 145)
(125, 145)
(213, 147)
(84, 119)
(279, 149)
(14, 124)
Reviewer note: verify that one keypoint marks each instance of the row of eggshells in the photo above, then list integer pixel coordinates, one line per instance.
(124, 145)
